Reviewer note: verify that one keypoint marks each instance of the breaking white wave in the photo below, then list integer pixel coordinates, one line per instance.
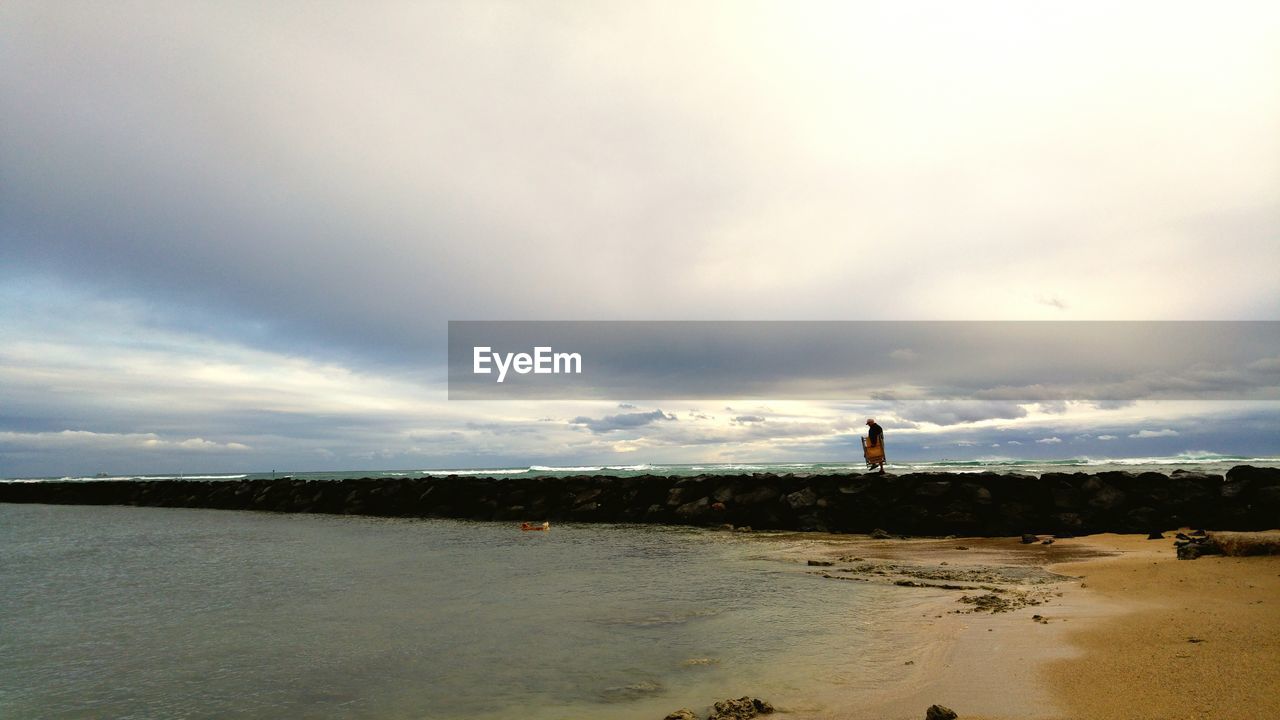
(144, 477)
(504, 471)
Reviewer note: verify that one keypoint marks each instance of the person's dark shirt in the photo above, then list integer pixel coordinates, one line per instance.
(876, 433)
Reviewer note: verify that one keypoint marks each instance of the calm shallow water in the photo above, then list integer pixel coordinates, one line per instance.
(149, 612)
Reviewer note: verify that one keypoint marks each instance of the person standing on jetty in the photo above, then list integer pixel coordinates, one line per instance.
(873, 445)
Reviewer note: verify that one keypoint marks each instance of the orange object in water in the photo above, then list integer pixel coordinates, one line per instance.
(530, 526)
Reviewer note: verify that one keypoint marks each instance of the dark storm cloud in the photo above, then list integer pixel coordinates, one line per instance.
(622, 421)
(959, 411)
(748, 434)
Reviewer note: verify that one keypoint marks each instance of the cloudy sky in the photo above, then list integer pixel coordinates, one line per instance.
(232, 234)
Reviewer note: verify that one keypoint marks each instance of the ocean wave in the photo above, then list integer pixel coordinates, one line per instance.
(988, 462)
(1187, 458)
(503, 471)
(161, 477)
(88, 478)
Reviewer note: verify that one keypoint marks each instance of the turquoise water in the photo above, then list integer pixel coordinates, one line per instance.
(1202, 462)
(149, 612)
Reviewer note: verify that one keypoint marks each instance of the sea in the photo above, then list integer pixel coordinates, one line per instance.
(126, 612)
(134, 612)
(1198, 462)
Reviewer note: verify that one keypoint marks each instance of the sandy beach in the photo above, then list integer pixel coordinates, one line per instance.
(1195, 638)
(1127, 631)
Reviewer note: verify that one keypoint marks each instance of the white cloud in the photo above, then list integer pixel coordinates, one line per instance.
(86, 440)
(957, 412)
(1270, 365)
(1106, 437)
(191, 394)
(1142, 434)
(1049, 441)
(885, 121)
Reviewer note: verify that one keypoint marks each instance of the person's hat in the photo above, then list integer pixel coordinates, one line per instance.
(870, 420)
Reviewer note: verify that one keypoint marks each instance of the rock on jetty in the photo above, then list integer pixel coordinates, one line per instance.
(1247, 498)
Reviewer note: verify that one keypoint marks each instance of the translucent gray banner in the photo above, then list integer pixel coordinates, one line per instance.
(1018, 361)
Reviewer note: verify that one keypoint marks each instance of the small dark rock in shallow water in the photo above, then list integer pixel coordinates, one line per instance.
(1029, 539)
(1047, 541)
(743, 708)
(821, 563)
(938, 712)
(632, 691)
(1198, 533)
(682, 714)
(879, 534)
(1155, 536)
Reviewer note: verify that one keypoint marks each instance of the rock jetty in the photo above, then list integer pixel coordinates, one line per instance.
(983, 504)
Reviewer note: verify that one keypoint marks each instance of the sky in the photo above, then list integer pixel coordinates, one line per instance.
(232, 234)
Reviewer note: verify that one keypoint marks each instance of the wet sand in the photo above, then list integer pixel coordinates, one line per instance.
(1126, 631)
